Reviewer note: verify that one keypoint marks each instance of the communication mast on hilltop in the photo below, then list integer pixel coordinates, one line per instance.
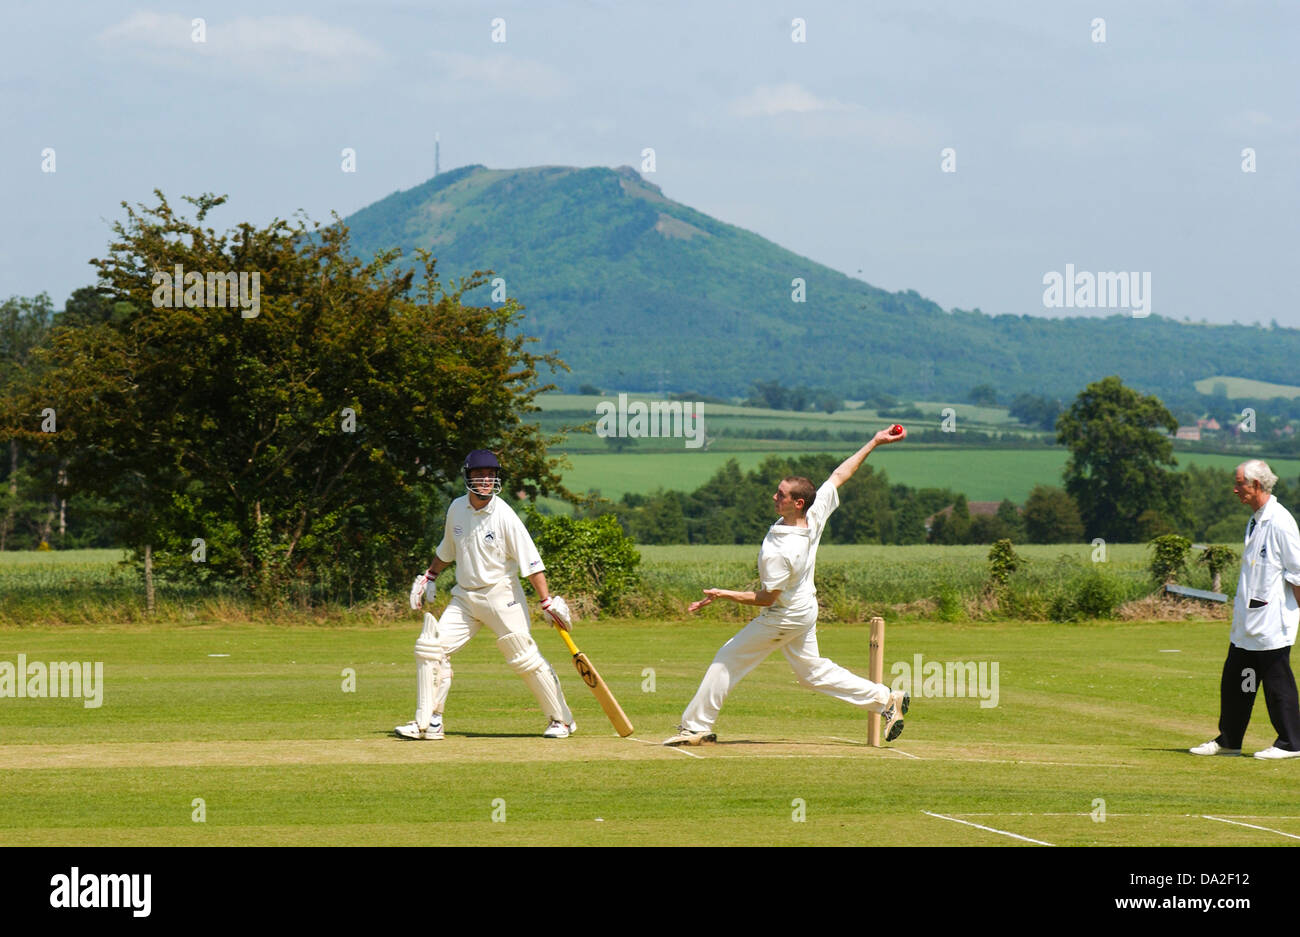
(436, 154)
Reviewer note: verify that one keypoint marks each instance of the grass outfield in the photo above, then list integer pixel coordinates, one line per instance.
(982, 474)
(279, 754)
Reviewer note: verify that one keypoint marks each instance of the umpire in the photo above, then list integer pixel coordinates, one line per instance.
(1265, 615)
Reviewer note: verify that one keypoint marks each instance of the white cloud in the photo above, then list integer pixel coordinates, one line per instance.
(789, 98)
(826, 118)
(503, 73)
(280, 46)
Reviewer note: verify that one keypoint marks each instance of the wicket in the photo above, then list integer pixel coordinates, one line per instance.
(877, 667)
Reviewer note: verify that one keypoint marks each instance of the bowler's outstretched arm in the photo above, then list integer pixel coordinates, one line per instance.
(854, 462)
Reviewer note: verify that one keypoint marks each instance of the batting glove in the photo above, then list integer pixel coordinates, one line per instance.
(558, 609)
(417, 590)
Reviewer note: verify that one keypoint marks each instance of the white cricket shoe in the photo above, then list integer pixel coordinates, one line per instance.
(558, 730)
(1274, 752)
(412, 730)
(891, 720)
(686, 736)
(1212, 747)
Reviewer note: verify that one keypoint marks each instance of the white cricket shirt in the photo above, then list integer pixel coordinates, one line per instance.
(1270, 563)
(787, 560)
(489, 546)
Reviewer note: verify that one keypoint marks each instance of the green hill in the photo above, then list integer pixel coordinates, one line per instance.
(634, 290)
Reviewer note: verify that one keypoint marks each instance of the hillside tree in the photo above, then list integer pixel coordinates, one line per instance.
(1120, 466)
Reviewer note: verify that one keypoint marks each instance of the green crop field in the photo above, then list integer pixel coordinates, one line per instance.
(582, 407)
(1237, 387)
(254, 735)
(980, 474)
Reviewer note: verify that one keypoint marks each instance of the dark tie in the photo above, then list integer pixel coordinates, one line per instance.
(1251, 529)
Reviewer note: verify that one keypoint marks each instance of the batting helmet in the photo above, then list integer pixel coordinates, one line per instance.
(480, 459)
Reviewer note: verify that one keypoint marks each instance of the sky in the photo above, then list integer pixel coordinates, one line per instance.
(826, 127)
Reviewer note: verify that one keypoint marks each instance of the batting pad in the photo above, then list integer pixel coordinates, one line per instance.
(525, 659)
(432, 674)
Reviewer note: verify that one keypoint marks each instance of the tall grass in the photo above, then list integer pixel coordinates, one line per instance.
(96, 587)
(948, 582)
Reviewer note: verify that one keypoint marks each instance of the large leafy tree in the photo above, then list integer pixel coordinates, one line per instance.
(24, 500)
(311, 446)
(1120, 465)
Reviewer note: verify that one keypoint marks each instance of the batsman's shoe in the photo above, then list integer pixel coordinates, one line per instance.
(413, 731)
(686, 736)
(1274, 752)
(558, 730)
(891, 720)
(1212, 747)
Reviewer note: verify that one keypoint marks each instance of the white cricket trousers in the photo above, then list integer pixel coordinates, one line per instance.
(504, 609)
(797, 639)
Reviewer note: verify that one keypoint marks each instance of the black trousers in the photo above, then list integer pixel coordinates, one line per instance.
(1243, 673)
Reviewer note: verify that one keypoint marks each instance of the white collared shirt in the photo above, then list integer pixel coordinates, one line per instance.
(787, 560)
(488, 546)
(1270, 563)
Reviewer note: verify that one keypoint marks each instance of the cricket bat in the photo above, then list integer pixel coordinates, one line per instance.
(617, 718)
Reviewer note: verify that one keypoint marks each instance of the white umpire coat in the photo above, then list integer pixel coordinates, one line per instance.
(1270, 564)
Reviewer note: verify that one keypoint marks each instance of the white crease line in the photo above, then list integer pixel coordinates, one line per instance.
(1251, 825)
(762, 755)
(1256, 816)
(868, 745)
(674, 748)
(678, 748)
(1027, 814)
(983, 761)
(989, 828)
(1021, 761)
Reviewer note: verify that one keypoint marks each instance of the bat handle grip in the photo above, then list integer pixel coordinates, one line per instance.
(573, 648)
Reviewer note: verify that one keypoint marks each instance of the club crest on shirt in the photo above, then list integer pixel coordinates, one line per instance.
(458, 530)
(490, 537)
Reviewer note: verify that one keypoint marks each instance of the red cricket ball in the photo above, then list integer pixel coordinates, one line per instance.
(895, 429)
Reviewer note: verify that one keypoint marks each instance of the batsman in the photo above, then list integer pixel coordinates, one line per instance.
(788, 598)
(491, 547)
